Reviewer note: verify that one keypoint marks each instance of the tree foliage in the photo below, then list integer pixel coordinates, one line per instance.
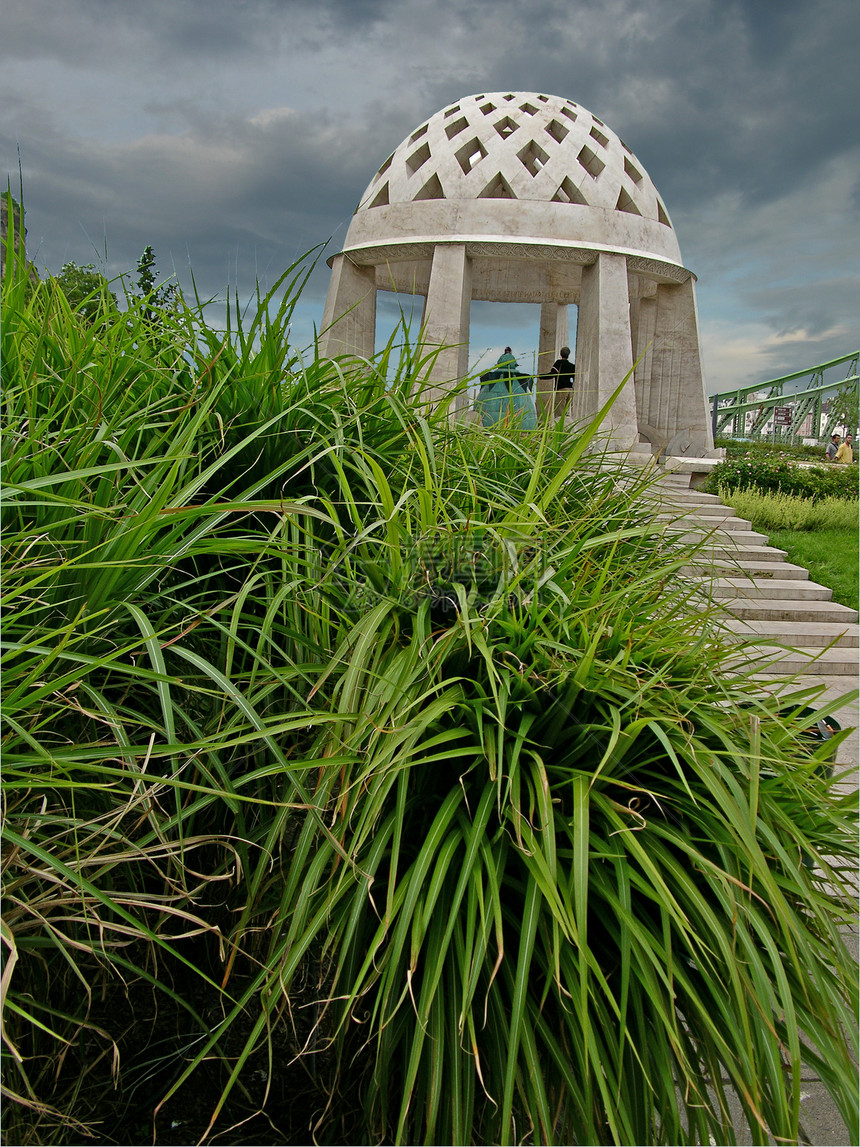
(158, 298)
(844, 409)
(87, 291)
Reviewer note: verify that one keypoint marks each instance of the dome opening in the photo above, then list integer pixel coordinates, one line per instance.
(590, 162)
(625, 203)
(432, 189)
(471, 154)
(381, 199)
(557, 130)
(568, 192)
(497, 188)
(418, 158)
(533, 158)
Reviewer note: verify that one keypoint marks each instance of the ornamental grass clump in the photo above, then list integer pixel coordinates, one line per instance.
(373, 779)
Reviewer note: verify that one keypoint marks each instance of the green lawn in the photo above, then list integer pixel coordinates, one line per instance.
(831, 556)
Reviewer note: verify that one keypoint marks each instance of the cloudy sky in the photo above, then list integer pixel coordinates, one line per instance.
(236, 135)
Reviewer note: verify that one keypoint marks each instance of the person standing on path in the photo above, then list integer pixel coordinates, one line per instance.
(845, 453)
(832, 448)
(563, 373)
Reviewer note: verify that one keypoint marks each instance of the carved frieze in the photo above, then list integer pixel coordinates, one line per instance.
(545, 252)
(638, 264)
(383, 253)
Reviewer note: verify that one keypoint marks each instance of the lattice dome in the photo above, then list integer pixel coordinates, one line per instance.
(517, 145)
(522, 197)
(516, 164)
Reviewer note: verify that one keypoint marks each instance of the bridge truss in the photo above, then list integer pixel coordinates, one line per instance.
(730, 410)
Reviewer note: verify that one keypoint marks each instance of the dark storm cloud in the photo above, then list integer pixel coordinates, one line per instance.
(240, 133)
(195, 197)
(165, 32)
(709, 95)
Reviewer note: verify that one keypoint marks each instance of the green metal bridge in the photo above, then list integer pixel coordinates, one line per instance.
(789, 410)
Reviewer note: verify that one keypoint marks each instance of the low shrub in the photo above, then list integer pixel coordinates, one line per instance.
(789, 512)
(815, 482)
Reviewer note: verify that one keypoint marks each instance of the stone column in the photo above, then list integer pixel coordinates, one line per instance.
(604, 353)
(678, 406)
(446, 319)
(349, 319)
(553, 336)
(643, 318)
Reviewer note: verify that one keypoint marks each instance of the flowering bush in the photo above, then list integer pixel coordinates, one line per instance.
(815, 482)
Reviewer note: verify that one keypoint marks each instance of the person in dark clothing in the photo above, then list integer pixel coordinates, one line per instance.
(562, 372)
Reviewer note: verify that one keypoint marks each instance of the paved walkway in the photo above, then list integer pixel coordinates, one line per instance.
(799, 620)
(819, 1118)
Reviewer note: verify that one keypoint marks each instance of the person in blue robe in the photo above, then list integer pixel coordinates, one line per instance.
(505, 396)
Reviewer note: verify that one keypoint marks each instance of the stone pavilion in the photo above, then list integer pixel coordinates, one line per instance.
(527, 197)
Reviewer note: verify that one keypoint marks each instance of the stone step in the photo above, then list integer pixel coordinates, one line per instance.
(731, 540)
(793, 627)
(712, 522)
(785, 571)
(706, 521)
(810, 681)
(701, 503)
(687, 497)
(768, 661)
(697, 468)
(675, 475)
(767, 588)
(796, 634)
(720, 551)
(787, 609)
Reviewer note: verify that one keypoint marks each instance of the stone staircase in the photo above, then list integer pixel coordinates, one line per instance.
(797, 628)
(761, 595)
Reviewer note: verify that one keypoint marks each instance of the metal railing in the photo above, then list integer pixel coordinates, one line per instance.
(733, 406)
